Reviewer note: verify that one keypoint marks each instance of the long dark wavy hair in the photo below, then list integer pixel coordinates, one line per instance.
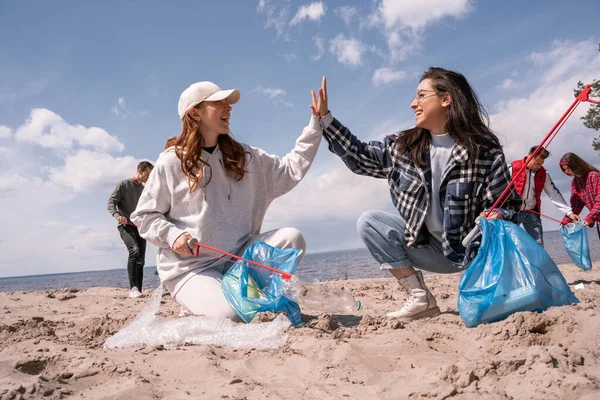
(188, 148)
(576, 164)
(467, 121)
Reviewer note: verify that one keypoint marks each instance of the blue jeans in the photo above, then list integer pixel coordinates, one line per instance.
(532, 225)
(383, 234)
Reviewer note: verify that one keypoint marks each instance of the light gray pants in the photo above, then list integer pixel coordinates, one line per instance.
(201, 294)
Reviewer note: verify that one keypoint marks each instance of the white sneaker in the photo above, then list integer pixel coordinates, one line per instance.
(420, 303)
(134, 293)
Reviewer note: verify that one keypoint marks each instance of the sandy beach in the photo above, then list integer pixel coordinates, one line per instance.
(51, 347)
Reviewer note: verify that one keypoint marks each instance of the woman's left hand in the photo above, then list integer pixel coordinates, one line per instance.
(585, 223)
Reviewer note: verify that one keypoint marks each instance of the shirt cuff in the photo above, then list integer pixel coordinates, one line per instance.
(314, 123)
(173, 234)
(326, 120)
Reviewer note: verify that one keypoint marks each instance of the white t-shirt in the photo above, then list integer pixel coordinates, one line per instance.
(439, 152)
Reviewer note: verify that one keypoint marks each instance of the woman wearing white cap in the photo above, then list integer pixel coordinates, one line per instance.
(210, 187)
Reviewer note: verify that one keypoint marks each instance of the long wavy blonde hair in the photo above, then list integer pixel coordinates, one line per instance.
(188, 148)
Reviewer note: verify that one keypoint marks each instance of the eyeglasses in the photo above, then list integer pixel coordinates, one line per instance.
(419, 97)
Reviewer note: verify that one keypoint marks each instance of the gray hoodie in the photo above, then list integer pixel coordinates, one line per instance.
(225, 213)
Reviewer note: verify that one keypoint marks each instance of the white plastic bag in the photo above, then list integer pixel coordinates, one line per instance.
(198, 330)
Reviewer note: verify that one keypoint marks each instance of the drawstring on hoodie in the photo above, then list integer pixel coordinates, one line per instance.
(226, 177)
(205, 168)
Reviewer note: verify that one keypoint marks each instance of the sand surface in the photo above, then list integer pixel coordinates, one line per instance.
(51, 347)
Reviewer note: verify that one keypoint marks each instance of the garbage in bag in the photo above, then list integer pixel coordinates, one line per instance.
(510, 273)
(143, 330)
(251, 290)
(576, 244)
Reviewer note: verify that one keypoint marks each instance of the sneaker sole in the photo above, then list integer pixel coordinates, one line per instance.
(431, 313)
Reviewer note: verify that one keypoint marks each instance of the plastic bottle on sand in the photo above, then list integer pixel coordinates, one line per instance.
(320, 297)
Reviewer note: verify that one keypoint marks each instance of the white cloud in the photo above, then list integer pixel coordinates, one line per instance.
(79, 229)
(507, 84)
(87, 171)
(320, 43)
(50, 130)
(346, 13)
(275, 95)
(5, 132)
(120, 109)
(416, 15)
(276, 14)
(313, 12)
(11, 182)
(383, 76)
(290, 57)
(559, 60)
(348, 51)
(404, 21)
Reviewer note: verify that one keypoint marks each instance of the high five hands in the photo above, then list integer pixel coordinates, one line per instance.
(319, 106)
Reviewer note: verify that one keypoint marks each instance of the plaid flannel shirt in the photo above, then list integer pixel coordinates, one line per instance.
(585, 191)
(468, 187)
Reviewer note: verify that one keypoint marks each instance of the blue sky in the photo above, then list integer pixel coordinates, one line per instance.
(87, 90)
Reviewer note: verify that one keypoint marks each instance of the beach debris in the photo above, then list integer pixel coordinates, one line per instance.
(579, 286)
(144, 330)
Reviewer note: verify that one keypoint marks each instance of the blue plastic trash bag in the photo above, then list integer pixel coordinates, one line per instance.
(250, 291)
(576, 244)
(510, 273)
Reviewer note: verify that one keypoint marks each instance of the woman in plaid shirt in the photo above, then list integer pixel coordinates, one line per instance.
(585, 188)
(442, 175)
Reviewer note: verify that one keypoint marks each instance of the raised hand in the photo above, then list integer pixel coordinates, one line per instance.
(320, 106)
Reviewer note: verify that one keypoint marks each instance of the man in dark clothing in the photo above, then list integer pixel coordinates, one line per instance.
(121, 203)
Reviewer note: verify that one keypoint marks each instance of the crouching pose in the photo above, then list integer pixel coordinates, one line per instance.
(442, 174)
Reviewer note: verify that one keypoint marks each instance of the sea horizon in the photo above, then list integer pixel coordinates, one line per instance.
(328, 265)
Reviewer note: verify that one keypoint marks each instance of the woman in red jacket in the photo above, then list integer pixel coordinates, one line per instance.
(585, 188)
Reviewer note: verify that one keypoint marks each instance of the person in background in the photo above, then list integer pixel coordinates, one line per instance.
(208, 186)
(530, 183)
(121, 203)
(442, 174)
(585, 188)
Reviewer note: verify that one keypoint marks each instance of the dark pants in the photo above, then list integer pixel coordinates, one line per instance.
(532, 225)
(136, 246)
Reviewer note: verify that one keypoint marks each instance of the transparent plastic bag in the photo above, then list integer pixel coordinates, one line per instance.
(197, 330)
(252, 290)
(510, 273)
(577, 245)
(317, 296)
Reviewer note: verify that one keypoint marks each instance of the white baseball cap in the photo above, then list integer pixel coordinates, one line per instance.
(204, 91)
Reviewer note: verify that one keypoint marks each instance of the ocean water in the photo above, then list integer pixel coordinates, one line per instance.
(333, 265)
